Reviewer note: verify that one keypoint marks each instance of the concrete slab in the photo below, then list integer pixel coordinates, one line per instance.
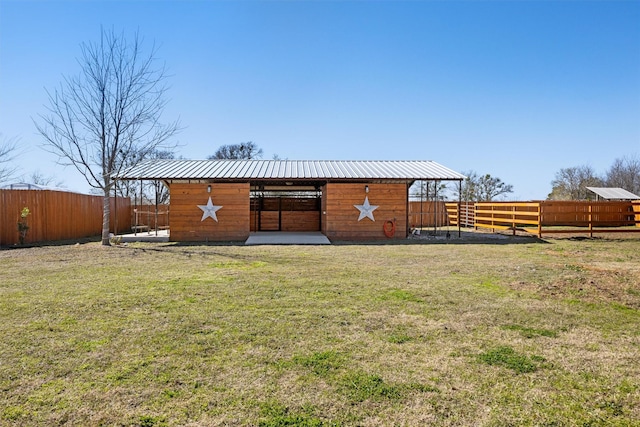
(146, 236)
(287, 238)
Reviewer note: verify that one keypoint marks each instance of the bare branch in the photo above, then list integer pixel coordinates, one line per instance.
(571, 183)
(110, 110)
(8, 153)
(482, 188)
(245, 150)
(625, 173)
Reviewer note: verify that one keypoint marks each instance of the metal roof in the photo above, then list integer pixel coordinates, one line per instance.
(343, 170)
(29, 186)
(613, 193)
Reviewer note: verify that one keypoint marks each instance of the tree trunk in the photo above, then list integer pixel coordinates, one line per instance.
(106, 213)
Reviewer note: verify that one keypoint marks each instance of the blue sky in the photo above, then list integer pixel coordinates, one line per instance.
(517, 89)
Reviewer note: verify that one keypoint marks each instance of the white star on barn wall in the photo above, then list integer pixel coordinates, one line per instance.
(209, 210)
(366, 209)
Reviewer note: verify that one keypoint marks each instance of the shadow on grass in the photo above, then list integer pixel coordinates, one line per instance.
(466, 238)
(68, 242)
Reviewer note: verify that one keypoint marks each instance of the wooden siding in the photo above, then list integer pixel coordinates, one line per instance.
(340, 217)
(427, 214)
(268, 221)
(301, 221)
(57, 215)
(285, 214)
(233, 219)
(290, 221)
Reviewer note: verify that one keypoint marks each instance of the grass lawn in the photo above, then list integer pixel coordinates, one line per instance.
(345, 335)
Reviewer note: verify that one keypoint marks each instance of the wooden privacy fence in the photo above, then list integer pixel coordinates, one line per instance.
(550, 217)
(56, 215)
(580, 214)
(427, 214)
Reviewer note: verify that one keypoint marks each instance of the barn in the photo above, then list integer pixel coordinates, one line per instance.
(227, 200)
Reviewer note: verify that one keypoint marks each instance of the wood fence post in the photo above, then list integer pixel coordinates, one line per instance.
(493, 216)
(539, 220)
(475, 216)
(458, 219)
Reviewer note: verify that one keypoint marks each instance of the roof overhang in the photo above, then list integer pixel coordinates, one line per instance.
(295, 171)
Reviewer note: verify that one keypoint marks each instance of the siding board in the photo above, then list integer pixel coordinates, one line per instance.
(427, 214)
(186, 218)
(340, 220)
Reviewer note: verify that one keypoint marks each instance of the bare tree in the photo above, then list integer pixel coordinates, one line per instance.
(111, 109)
(571, 183)
(39, 178)
(482, 188)
(428, 190)
(8, 152)
(245, 150)
(625, 173)
(491, 187)
(156, 193)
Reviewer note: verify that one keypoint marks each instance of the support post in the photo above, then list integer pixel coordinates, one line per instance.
(459, 205)
(421, 203)
(148, 220)
(135, 210)
(407, 207)
(155, 186)
(138, 210)
(279, 213)
(435, 208)
(115, 208)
